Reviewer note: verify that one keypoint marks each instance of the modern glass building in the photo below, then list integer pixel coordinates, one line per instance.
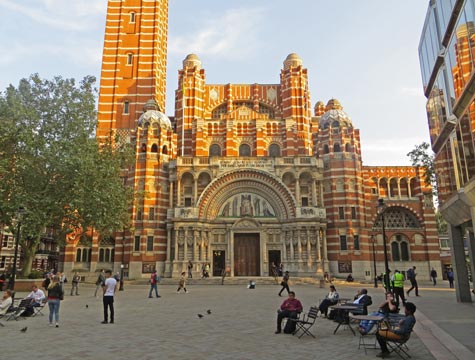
(447, 58)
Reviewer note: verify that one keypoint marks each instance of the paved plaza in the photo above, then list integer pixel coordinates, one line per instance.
(241, 326)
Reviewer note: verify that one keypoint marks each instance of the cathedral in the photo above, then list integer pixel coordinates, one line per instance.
(243, 176)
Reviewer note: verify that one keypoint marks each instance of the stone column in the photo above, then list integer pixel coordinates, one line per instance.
(462, 289)
(178, 192)
(297, 192)
(171, 196)
(299, 244)
(195, 192)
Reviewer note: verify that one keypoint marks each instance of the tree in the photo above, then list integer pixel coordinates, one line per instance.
(421, 156)
(52, 165)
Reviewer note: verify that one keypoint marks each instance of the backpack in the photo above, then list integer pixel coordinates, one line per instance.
(410, 273)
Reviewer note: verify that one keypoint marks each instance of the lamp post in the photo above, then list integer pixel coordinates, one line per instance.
(382, 207)
(373, 240)
(121, 282)
(11, 284)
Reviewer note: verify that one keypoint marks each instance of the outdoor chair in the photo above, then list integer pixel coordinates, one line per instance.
(38, 310)
(399, 347)
(306, 322)
(16, 311)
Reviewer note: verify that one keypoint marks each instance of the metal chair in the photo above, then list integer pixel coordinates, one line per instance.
(38, 310)
(306, 322)
(16, 311)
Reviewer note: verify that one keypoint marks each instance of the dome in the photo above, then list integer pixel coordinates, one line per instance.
(319, 108)
(292, 60)
(153, 117)
(334, 116)
(192, 61)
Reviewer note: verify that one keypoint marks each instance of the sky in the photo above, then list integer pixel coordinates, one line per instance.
(363, 53)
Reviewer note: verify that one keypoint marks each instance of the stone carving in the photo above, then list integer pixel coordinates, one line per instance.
(213, 94)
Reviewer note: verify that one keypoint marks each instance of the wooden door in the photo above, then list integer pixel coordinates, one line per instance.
(246, 255)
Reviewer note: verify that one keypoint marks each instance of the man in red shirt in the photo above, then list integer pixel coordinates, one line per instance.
(290, 308)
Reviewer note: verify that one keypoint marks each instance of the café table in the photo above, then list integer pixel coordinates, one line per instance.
(377, 319)
(342, 316)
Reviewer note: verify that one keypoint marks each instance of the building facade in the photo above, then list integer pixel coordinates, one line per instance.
(447, 57)
(243, 175)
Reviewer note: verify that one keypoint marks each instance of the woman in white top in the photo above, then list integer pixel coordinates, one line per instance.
(6, 302)
(330, 299)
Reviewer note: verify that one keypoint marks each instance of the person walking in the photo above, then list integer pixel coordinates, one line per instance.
(433, 276)
(398, 287)
(109, 287)
(182, 283)
(55, 295)
(75, 284)
(450, 277)
(190, 269)
(411, 275)
(285, 283)
(154, 280)
(100, 281)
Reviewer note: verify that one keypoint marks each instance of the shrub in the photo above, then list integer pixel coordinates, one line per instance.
(35, 275)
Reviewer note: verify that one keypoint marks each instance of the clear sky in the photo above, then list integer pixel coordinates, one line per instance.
(361, 52)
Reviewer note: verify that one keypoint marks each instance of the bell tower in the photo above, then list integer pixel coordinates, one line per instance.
(134, 63)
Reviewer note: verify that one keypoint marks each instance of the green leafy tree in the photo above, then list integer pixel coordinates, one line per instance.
(52, 165)
(422, 156)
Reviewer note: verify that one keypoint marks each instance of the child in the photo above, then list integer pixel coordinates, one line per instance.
(181, 284)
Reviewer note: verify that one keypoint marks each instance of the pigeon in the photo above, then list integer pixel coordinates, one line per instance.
(200, 316)
(87, 306)
(24, 329)
(208, 311)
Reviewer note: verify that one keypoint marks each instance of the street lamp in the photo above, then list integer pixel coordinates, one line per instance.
(382, 207)
(373, 240)
(121, 281)
(20, 213)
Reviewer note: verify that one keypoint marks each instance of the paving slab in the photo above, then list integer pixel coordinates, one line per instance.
(241, 326)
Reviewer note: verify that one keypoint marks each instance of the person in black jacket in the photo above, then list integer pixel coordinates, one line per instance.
(55, 295)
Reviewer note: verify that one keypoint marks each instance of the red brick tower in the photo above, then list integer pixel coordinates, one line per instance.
(134, 63)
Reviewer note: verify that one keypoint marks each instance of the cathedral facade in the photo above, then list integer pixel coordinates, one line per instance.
(243, 176)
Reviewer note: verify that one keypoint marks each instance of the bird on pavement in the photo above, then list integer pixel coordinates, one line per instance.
(87, 306)
(24, 329)
(208, 311)
(200, 315)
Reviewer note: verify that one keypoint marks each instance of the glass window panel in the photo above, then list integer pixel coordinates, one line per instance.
(149, 243)
(404, 251)
(343, 244)
(395, 251)
(356, 239)
(101, 255)
(137, 243)
(78, 255)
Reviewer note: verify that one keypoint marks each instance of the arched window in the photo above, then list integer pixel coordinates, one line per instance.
(101, 255)
(108, 255)
(154, 148)
(215, 150)
(78, 255)
(336, 148)
(86, 255)
(244, 150)
(326, 150)
(164, 150)
(335, 124)
(274, 150)
(347, 147)
(400, 248)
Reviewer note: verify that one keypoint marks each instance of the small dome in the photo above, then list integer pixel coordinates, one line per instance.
(292, 60)
(192, 61)
(153, 117)
(334, 116)
(333, 104)
(319, 108)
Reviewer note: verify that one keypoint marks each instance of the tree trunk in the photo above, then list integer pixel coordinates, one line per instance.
(29, 252)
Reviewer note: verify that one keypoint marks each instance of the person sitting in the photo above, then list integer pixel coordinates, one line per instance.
(6, 302)
(349, 278)
(387, 306)
(290, 308)
(362, 298)
(38, 295)
(331, 299)
(401, 331)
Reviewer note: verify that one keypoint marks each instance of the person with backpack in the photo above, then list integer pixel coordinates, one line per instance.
(154, 280)
(100, 281)
(75, 284)
(411, 275)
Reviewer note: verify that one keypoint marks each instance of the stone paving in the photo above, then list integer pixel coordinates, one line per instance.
(241, 326)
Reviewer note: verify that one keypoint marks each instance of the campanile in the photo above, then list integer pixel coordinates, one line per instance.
(134, 63)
